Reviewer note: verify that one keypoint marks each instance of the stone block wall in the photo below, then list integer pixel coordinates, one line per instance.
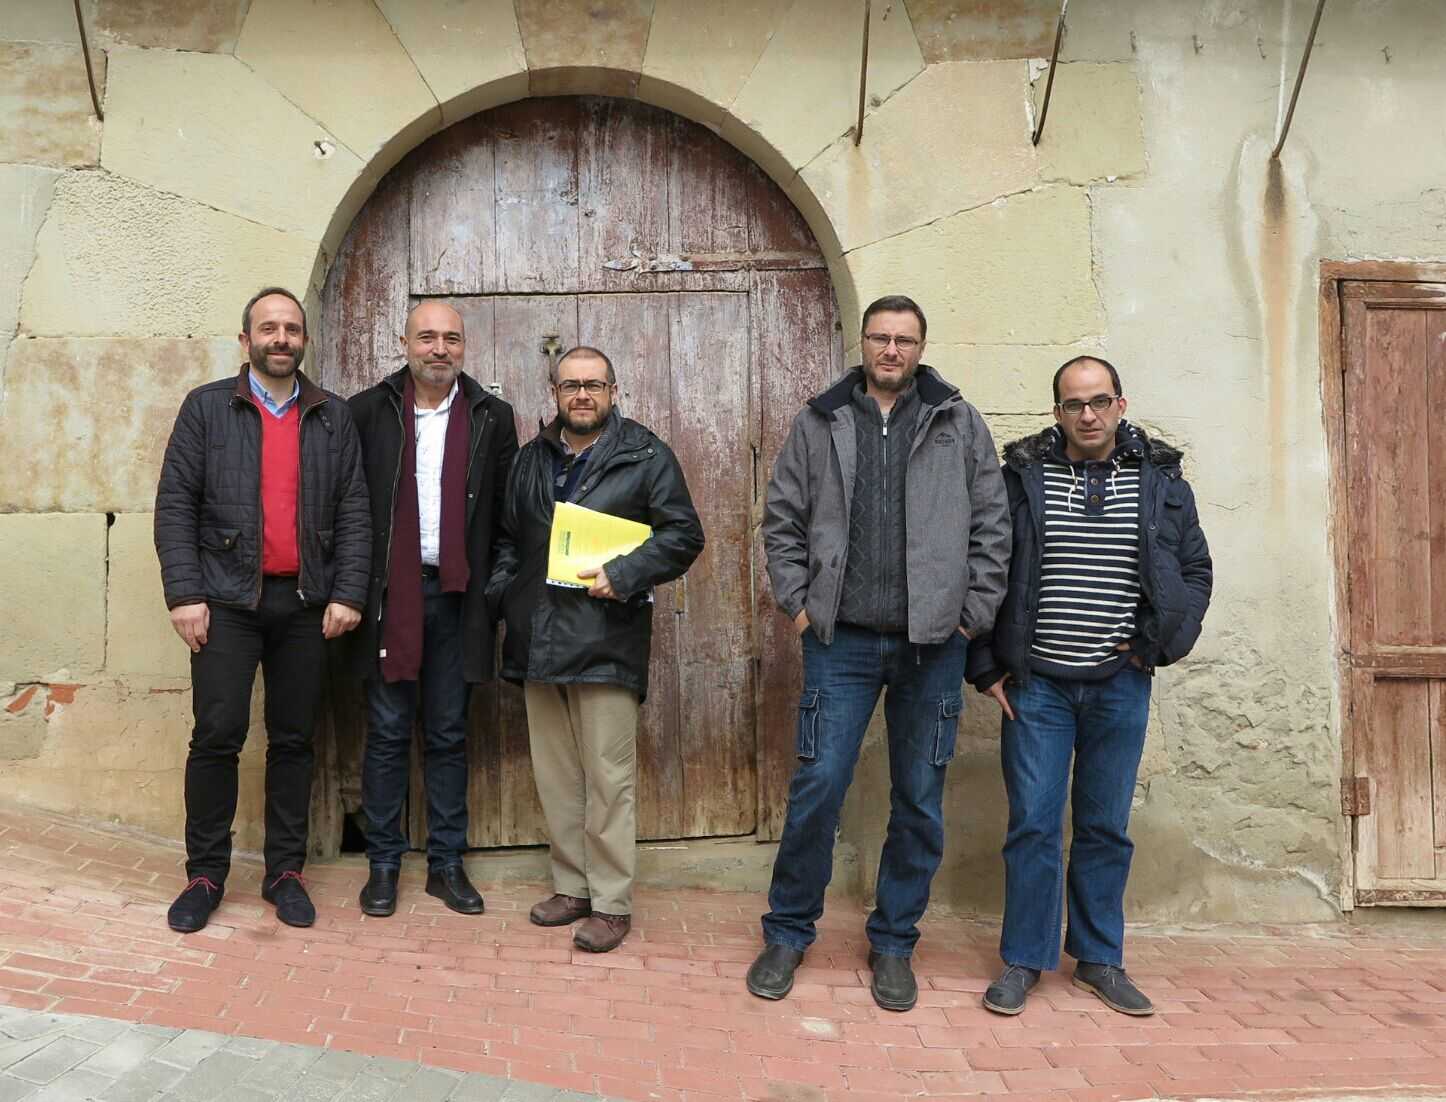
(241, 136)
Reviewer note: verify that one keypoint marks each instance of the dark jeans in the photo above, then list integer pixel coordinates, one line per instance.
(842, 682)
(442, 693)
(283, 635)
(1101, 724)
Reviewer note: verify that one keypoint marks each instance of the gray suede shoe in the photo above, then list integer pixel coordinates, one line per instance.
(1113, 987)
(1007, 994)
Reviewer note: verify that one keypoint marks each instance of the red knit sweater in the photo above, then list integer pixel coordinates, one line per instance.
(280, 473)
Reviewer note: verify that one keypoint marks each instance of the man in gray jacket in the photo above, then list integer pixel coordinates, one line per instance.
(887, 535)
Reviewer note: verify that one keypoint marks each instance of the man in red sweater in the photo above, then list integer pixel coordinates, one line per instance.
(264, 536)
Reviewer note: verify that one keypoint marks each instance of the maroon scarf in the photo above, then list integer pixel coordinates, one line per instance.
(402, 628)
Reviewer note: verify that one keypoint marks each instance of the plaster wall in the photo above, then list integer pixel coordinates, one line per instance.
(240, 138)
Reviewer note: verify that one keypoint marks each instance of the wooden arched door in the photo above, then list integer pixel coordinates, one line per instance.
(562, 221)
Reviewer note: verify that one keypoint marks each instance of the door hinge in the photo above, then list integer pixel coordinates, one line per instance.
(1355, 797)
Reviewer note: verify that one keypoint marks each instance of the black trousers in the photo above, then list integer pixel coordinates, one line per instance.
(283, 636)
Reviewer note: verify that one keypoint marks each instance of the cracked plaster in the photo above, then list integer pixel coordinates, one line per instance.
(145, 263)
(99, 456)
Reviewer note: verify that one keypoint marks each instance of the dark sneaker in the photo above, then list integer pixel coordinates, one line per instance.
(771, 975)
(1006, 995)
(192, 908)
(894, 986)
(287, 893)
(451, 886)
(379, 897)
(1113, 987)
(559, 910)
(600, 933)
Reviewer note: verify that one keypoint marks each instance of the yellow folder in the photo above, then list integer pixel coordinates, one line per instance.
(584, 539)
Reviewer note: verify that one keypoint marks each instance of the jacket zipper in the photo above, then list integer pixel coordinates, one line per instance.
(301, 413)
(260, 504)
(881, 540)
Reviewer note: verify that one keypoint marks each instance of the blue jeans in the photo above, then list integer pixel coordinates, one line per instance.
(1101, 724)
(842, 682)
(442, 694)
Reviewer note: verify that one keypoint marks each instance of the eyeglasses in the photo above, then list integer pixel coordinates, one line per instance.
(882, 341)
(568, 387)
(1073, 407)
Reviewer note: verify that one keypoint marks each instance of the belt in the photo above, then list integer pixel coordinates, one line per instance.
(429, 571)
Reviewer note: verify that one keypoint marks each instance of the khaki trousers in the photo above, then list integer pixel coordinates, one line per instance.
(584, 757)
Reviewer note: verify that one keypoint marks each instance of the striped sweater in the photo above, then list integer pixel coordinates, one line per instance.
(1089, 573)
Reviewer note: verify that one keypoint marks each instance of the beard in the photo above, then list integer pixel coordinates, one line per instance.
(263, 365)
(890, 383)
(582, 422)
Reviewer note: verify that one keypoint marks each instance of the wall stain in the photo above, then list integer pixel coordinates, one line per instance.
(1275, 273)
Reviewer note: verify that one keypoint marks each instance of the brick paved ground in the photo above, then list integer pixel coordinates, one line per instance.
(1326, 1010)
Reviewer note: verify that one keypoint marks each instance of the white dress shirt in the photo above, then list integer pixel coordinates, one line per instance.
(431, 447)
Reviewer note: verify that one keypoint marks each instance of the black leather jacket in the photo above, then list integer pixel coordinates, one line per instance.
(1176, 574)
(562, 635)
(208, 500)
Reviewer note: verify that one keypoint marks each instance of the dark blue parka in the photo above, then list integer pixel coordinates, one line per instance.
(1175, 569)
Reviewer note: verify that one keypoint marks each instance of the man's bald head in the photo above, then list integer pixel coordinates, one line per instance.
(432, 314)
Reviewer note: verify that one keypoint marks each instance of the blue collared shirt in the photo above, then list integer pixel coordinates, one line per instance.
(268, 403)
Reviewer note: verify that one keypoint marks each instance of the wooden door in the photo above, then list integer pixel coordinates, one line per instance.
(1394, 391)
(555, 222)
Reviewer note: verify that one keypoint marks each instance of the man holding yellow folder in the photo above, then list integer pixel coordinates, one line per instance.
(581, 650)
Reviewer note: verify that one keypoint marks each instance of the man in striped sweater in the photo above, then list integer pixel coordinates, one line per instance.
(1110, 578)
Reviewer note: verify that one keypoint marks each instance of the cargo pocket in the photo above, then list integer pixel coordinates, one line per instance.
(946, 729)
(808, 725)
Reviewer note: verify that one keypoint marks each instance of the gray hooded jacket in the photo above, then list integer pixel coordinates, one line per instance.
(955, 507)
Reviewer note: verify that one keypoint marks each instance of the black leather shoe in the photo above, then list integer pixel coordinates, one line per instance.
(192, 908)
(1114, 988)
(1007, 994)
(287, 893)
(771, 975)
(452, 887)
(379, 897)
(894, 986)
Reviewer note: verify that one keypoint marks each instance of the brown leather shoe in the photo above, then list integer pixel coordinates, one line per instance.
(602, 933)
(559, 910)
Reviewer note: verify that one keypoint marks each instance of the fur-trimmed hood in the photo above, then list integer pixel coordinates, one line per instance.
(1021, 454)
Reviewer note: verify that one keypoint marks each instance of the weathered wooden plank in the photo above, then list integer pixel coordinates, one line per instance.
(774, 224)
(796, 350)
(536, 182)
(1399, 767)
(710, 369)
(623, 160)
(364, 302)
(454, 212)
(1360, 485)
(633, 332)
(522, 325)
(1435, 457)
(1436, 753)
(1395, 394)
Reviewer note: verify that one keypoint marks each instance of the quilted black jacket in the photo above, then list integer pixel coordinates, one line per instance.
(208, 502)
